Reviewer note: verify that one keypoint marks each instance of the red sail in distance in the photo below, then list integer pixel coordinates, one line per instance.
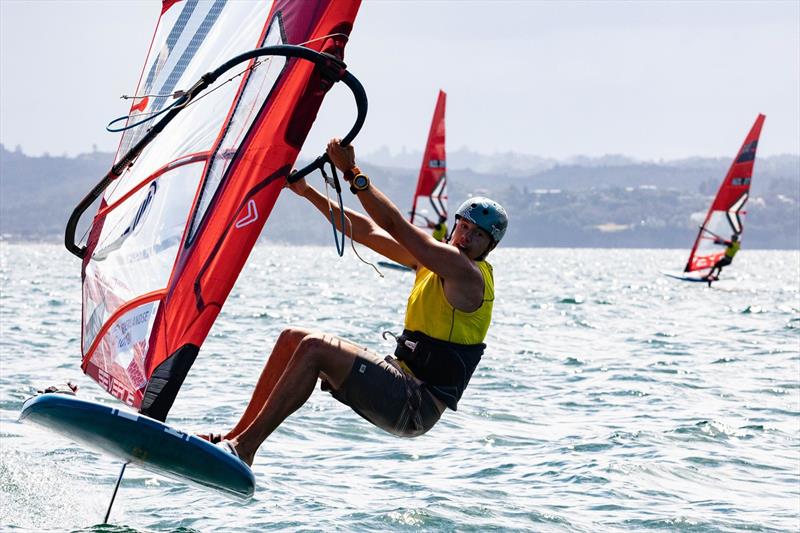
(724, 217)
(432, 182)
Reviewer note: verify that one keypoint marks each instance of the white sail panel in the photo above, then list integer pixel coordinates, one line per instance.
(192, 186)
(121, 352)
(257, 87)
(236, 29)
(140, 236)
(138, 245)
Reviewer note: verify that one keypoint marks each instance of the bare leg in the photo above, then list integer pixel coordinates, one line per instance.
(273, 369)
(315, 356)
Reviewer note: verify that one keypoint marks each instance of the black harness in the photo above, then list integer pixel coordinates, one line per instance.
(445, 367)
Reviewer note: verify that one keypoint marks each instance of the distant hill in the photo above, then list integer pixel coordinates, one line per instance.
(612, 201)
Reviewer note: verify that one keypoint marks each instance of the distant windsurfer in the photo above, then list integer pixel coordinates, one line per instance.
(439, 228)
(447, 317)
(732, 247)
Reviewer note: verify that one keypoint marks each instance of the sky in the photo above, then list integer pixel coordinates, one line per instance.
(650, 80)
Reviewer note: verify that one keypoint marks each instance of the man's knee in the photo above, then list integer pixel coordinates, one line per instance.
(292, 336)
(323, 352)
(311, 345)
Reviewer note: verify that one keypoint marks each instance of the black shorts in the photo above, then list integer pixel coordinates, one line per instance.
(725, 261)
(383, 394)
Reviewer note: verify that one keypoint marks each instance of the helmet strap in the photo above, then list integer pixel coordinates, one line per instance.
(491, 247)
(450, 234)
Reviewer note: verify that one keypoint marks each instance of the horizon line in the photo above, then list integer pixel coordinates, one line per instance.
(403, 151)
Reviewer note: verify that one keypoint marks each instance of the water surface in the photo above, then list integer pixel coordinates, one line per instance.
(610, 398)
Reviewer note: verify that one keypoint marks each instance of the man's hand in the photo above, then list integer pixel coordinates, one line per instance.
(344, 157)
(299, 187)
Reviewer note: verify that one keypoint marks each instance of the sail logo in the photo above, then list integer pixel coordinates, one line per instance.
(249, 217)
(436, 163)
(133, 228)
(141, 213)
(141, 106)
(748, 152)
(440, 190)
(115, 387)
(176, 433)
(733, 213)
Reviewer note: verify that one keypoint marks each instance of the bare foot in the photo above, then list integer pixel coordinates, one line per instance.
(242, 453)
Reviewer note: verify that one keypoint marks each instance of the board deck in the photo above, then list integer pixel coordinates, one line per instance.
(142, 441)
(685, 277)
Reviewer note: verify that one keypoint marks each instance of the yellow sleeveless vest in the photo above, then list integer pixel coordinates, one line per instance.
(732, 249)
(429, 312)
(440, 232)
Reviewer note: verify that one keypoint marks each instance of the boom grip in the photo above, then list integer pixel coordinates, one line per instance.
(72, 223)
(360, 96)
(205, 81)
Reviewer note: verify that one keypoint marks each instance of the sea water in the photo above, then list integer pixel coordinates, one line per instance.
(610, 398)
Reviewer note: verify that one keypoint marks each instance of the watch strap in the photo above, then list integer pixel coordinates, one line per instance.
(351, 173)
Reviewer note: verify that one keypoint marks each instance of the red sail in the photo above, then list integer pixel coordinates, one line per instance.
(724, 216)
(173, 234)
(432, 182)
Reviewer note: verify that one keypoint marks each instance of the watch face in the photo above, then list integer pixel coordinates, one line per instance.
(360, 181)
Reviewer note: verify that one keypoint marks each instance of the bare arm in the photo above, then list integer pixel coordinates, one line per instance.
(447, 261)
(359, 228)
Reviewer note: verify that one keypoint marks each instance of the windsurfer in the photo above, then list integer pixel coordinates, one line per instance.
(732, 246)
(440, 229)
(448, 315)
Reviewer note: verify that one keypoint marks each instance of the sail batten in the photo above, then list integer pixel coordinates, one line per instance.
(724, 217)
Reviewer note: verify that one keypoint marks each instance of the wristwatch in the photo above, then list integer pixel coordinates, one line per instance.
(360, 182)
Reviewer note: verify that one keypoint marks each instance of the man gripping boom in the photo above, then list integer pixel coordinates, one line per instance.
(448, 315)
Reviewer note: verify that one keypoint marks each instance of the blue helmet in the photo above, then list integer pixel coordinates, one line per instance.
(486, 214)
